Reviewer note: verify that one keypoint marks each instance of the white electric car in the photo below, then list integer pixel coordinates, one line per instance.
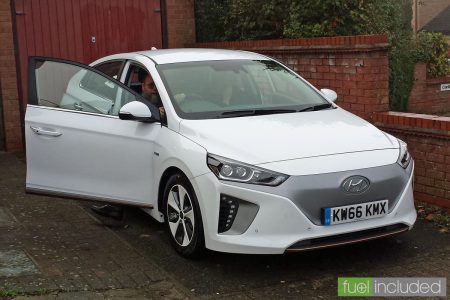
(247, 156)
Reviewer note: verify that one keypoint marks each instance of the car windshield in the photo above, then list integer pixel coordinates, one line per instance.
(233, 88)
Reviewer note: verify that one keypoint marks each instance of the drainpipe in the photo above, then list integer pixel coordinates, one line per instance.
(164, 24)
(2, 131)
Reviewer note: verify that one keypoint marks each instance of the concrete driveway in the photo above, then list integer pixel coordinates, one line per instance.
(55, 248)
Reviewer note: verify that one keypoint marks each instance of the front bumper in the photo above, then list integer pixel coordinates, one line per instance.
(279, 224)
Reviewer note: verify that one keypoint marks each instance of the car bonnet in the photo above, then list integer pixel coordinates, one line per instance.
(270, 138)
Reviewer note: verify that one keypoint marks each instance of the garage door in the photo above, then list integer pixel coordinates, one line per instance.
(84, 30)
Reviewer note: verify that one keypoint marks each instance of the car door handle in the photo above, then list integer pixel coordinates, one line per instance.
(78, 106)
(40, 131)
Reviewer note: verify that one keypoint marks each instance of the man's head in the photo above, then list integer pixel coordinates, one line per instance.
(148, 86)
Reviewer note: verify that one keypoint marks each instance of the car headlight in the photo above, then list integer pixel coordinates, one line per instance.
(404, 158)
(227, 169)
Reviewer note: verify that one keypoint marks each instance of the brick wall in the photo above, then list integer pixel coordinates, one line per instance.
(8, 82)
(355, 67)
(428, 139)
(426, 95)
(180, 23)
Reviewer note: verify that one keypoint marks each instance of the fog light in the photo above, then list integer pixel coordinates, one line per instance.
(228, 209)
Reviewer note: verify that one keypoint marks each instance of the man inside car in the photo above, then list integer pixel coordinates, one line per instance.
(150, 93)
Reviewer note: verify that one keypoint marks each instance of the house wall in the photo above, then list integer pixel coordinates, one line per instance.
(8, 83)
(426, 95)
(180, 23)
(428, 139)
(428, 9)
(355, 67)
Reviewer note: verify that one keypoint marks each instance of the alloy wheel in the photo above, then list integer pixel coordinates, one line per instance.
(180, 214)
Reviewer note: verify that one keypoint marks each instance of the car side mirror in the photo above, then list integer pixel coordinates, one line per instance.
(329, 94)
(137, 111)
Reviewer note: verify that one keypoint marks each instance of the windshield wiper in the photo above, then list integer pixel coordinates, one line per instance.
(316, 107)
(254, 112)
(273, 111)
(236, 113)
(269, 111)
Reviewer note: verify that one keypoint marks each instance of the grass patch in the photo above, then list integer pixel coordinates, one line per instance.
(9, 292)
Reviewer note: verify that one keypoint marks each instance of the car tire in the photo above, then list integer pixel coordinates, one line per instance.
(184, 226)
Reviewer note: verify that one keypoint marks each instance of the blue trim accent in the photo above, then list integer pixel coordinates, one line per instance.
(327, 216)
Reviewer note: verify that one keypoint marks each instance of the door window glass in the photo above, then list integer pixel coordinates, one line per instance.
(69, 86)
(135, 77)
(112, 69)
(140, 81)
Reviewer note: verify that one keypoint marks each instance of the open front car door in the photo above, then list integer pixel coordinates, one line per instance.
(76, 144)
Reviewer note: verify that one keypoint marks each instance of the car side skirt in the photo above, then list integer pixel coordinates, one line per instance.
(66, 195)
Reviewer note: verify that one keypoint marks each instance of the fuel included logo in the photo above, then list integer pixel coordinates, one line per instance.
(388, 286)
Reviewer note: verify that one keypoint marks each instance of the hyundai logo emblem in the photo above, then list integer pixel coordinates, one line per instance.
(355, 185)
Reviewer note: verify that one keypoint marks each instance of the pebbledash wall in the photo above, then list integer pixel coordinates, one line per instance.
(357, 69)
(426, 94)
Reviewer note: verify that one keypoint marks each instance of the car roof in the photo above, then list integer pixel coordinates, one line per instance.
(166, 56)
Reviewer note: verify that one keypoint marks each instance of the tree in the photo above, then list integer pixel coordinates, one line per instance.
(255, 19)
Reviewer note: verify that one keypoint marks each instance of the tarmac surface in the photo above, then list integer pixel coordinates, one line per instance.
(53, 248)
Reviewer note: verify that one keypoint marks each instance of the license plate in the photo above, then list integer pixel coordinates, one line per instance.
(356, 212)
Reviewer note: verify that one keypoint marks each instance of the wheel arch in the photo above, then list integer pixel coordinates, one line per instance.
(162, 182)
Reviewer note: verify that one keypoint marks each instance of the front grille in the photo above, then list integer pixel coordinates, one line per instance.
(348, 238)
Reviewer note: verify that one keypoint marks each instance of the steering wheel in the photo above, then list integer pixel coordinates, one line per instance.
(193, 96)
